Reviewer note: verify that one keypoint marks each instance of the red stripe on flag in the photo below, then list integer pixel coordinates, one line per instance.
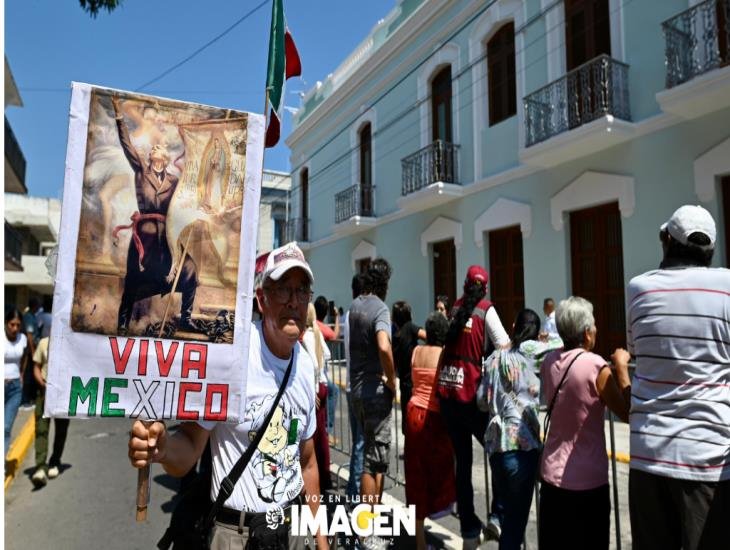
(293, 63)
(273, 131)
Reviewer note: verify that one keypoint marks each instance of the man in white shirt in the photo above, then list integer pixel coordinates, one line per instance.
(549, 328)
(679, 333)
(284, 465)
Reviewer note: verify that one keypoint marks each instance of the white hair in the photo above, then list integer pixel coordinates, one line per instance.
(572, 317)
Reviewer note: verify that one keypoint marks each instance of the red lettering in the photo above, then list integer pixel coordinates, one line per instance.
(142, 363)
(198, 364)
(165, 362)
(120, 362)
(210, 391)
(185, 387)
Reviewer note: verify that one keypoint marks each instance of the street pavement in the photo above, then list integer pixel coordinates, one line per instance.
(92, 503)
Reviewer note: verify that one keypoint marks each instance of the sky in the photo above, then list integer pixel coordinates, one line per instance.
(49, 44)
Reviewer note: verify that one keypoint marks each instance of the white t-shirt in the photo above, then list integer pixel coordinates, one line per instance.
(13, 355)
(549, 325)
(679, 332)
(274, 475)
(308, 341)
(494, 330)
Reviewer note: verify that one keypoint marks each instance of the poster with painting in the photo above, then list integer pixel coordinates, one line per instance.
(157, 248)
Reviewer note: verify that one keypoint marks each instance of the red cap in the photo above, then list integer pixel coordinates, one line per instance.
(476, 274)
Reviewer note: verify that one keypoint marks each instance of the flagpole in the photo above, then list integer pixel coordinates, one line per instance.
(266, 127)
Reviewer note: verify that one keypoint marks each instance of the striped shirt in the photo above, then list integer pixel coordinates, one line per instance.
(679, 332)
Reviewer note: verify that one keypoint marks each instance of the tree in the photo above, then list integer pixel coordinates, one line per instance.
(92, 7)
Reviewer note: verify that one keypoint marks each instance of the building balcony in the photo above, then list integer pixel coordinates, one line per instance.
(41, 217)
(354, 209)
(297, 229)
(430, 176)
(13, 249)
(583, 112)
(14, 163)
(34, 275)
(697, 60)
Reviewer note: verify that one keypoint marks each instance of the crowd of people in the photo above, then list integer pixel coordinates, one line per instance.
(469, 378)
(27, 337)
(462, 377)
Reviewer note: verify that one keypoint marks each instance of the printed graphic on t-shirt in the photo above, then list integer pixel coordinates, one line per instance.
(275, 462)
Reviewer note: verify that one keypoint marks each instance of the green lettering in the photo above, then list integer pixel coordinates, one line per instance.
(81, 392)
(110, 397)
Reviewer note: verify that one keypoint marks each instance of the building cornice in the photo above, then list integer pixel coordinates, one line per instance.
(394, 45)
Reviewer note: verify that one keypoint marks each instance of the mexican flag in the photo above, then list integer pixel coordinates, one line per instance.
(283, 64)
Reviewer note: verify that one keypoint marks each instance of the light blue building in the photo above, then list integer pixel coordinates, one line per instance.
(544, 139)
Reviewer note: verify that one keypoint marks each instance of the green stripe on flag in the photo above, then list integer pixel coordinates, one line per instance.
(277, 56)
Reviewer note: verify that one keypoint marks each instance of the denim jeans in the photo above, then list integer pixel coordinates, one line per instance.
(356, 452)
(513, 475)
(13, 393)
(333, 392)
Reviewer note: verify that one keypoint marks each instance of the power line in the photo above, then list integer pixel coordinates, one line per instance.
(203, 47)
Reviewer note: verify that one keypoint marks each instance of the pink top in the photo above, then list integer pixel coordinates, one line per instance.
(574, 456)
(424, 371)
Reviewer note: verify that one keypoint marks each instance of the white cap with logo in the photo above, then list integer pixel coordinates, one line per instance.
(283, 259)
(690, 219)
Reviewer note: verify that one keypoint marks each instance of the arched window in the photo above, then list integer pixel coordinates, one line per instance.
(303, 228)
(366, 170)
(501, 74)
(441, 105)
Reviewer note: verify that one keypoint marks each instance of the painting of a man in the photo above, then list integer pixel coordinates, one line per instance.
(149, 259)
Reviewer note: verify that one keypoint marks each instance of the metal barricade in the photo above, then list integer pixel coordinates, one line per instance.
(341, 441)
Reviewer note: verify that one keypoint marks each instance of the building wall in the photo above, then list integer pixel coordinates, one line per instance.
(659, 157)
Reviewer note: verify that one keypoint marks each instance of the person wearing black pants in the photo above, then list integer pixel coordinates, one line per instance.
(463, 421)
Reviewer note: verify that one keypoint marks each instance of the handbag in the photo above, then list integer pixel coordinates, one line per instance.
(194, 516)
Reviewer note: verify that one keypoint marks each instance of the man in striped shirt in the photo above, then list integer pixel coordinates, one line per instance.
(679, 333)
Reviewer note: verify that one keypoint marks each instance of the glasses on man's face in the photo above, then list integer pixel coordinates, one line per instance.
(283, 294)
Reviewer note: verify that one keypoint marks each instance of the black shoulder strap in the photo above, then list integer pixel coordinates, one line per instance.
(229, 482)
(546, 424)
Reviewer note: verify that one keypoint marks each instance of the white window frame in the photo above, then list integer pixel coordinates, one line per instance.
(363, 251)
(555, 35)
(442, 229)
(593, 189)
(503, 213)
(448, 54)
(483, 30)
(708, 167)
(367, 117)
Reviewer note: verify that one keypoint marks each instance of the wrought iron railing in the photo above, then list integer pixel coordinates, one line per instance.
(696, 41)
(356, 200)
(297, 229)
(597, 88)
(13, 247)
(435, 162)
(14, 154)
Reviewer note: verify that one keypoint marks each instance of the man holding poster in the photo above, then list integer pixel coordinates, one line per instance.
(284, 465)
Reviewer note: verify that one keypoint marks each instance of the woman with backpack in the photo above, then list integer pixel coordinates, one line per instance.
(474, 324)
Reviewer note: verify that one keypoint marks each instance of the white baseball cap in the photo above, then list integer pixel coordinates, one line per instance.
(283, 259)
(690, 219)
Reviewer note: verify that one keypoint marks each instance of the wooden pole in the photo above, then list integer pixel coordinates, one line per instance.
(143, 487)
(174, 284)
